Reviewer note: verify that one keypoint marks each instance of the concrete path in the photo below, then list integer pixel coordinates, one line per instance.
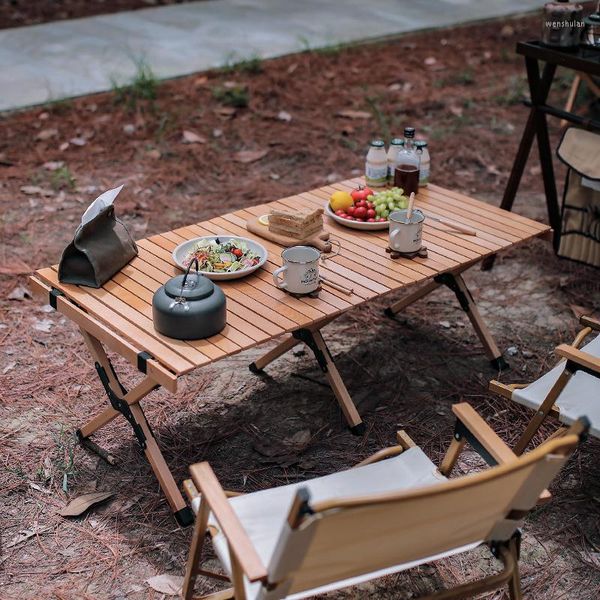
(58, 60)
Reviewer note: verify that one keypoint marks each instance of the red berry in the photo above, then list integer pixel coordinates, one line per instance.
(371, 220)
(350, 211)
(371, 214)
(381, 220)
(360, 212)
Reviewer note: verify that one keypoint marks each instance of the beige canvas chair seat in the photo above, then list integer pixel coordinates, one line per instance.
(581, 395)
(393, 511)
(263, 513)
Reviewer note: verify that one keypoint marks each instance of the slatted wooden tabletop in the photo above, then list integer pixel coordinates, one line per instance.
(257, 310)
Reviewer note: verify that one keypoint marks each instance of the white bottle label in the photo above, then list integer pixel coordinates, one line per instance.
(376, 174)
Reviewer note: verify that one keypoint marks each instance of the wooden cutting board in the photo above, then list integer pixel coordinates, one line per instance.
(319, 240)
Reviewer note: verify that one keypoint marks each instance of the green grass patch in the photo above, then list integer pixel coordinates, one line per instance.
(143, 87)
(235, 96)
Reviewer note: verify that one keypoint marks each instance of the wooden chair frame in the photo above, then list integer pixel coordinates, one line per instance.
(575, 360)
(470, 428)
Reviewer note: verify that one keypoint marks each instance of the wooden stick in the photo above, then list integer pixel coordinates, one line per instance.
(452, 225)
(336, 286)
(411, 203)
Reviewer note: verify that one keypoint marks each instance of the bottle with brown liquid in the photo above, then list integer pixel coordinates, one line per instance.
(406, 175)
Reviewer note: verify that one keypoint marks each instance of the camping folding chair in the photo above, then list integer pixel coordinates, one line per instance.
(571, 389)
(379, 518)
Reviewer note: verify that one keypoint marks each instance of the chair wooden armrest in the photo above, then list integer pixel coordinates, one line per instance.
(404, 443)
(239, 543)
(483, 439)
(482, 434)
(587, 362)
(588, 321)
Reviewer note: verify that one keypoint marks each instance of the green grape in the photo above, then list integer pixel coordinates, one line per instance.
(385, 213)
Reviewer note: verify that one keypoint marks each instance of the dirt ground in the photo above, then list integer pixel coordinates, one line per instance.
(460, 88)
(16, 13)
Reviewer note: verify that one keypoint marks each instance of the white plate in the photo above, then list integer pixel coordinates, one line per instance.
(365, 226)
(186, 247)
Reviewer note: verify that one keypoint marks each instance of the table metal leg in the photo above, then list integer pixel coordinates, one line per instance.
(314, 340)
(287, 344)
(423, 291)
(127, 404)
(538, 90)
(457, 284)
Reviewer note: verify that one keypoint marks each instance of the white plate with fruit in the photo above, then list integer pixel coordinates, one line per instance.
(365, 209)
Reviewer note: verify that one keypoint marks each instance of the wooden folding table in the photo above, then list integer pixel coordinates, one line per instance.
(118, 316)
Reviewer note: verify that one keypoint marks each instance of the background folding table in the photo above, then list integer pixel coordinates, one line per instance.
(581, 60)
(118, 316)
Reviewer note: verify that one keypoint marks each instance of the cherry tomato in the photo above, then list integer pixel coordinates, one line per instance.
(360, 212)
(370, 205)
(340, 212)
(381, 220)
(371, 214)
(350, 210)
(237, 252)
(359, 194)
(371, 220)
(360, 204)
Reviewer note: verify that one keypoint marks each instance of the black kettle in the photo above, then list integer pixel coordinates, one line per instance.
(189, 307)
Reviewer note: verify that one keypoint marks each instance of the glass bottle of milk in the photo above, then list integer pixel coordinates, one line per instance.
(424, 162)
(376, 166)
(392, 157)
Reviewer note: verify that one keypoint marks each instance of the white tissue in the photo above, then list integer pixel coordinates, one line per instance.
(100, 203)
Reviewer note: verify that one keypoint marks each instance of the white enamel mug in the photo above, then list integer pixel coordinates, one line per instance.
(405, 234)
(300, 270)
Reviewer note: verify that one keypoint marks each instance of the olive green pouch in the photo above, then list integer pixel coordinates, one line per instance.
(100, 249)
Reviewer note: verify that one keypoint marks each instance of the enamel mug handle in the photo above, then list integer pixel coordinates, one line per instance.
(393, 235)
(280, 284)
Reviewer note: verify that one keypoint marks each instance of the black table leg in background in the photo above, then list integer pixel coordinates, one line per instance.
(536, 126)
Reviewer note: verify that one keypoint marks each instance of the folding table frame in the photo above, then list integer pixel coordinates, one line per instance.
(118, 316)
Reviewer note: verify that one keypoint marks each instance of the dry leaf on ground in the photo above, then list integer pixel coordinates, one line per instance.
(249, 156)
(166, 584)
(46, 134)
(189, 137)
(32, 190)
(25, 534)
(79, 505)
(19, 293)
(54, 165)
(353, 114)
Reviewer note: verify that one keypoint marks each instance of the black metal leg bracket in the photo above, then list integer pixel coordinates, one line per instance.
(121, 405)
(449, 281)
(306, 336)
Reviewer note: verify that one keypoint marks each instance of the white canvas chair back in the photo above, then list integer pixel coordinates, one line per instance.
(352, 537)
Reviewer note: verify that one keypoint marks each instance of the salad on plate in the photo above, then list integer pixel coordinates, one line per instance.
(215, 256)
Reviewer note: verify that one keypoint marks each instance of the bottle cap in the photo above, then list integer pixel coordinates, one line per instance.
(378, 143)
(409, 132)
(420, 143)
(397, 142)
